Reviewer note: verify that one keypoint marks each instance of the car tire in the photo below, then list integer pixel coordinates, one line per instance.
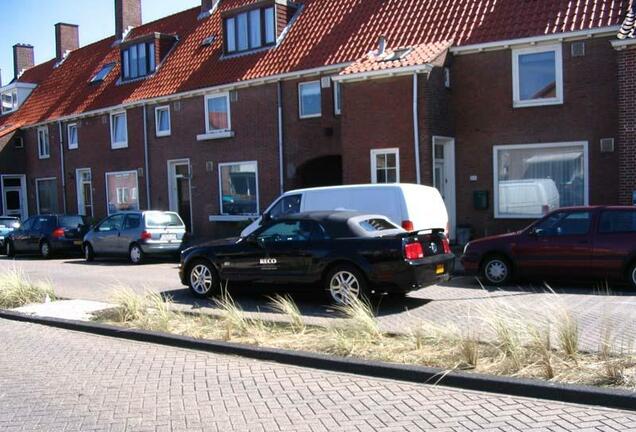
(631, 276)
(45, 249)
(135, 254)
(89, 253)
(202, 279)
(10, 249)
(344, 282)
(496, 270)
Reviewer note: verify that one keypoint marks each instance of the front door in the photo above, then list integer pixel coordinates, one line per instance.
(14, 196)
(179, 190)
(444, 176)
(84, 192)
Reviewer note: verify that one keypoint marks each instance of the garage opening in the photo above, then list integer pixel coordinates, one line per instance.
(321, 171)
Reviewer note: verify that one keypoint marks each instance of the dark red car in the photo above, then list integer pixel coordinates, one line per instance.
(577, 243)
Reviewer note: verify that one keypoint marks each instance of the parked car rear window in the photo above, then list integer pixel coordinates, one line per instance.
(70, 221)
(163, 220)
(373, 225)
(618, 221)
(8, 222)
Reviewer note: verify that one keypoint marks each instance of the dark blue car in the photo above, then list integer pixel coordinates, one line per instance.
(48, 234)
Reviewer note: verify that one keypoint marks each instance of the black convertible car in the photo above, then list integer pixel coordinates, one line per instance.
(349, 254)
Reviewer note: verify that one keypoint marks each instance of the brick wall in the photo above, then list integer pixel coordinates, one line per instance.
(484, 117)
(377, 114)
(254, 122)
(94, 151)
(627, 123)
(308, 138)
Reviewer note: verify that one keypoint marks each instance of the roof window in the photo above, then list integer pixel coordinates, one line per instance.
(103, 73)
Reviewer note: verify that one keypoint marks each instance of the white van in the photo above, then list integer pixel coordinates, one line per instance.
(414, 207)
(529, 197)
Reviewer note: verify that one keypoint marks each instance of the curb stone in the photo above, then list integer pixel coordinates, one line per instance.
(568, 393)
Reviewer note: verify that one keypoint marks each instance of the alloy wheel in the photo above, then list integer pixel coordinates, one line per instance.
(344, 286)
(201, 279)
(45, 249)
(135, 254)
(496, 271)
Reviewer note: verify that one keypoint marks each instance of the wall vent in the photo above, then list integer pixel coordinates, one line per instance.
(140, 172)
(447, 77)
(607, 145)
(578, 49)
(233, 96)
(18, 143)
(209, 166)
(177, 106)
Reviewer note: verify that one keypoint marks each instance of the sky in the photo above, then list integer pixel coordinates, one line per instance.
(32, 22)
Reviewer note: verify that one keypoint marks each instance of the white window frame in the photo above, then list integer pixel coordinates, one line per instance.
(337, 94)
(41, 150)
(121, 144)
(227, 217)
(106, 185)
(160, 133)
(558, 64)
(217, 133)
(37, 191)
(14, 102)
(79, 183)
(374, 162)
(300, 99)
(72, 146)
(495, 172)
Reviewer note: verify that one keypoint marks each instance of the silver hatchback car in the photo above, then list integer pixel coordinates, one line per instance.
(135, 234)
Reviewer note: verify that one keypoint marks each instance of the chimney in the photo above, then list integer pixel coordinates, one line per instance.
(23, 58)
(127, 15)
(66, 39)
(381, 45)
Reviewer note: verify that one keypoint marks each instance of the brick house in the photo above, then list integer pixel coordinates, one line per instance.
(509, 108)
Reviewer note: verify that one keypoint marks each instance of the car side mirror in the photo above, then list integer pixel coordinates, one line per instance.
(266, 217)
(536, 232)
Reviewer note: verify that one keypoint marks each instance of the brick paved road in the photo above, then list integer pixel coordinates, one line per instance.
(57, 380)
(459, 302)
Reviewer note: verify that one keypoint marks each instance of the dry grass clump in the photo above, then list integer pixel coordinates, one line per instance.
(17, 290)
(500, 341)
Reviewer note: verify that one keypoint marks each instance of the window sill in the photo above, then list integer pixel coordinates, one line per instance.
(44, 157)
(73, 147)
(162, 134)
(536, 103)
(117, 146)
(303, 117)
(227, 218)
(215, 135)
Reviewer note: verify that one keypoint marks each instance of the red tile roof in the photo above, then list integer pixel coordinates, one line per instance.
(412, 56)
(327, 32)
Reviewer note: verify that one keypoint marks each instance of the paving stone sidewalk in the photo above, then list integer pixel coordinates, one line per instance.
(58, 380)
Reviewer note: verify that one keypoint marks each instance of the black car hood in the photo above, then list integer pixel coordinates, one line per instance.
(215, 243)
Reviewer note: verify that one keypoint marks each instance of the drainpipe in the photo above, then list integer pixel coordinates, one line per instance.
(279, 103)
(147, 171)
(416, 130)
(59, 127)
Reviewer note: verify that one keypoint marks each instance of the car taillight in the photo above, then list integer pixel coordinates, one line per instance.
(413, 251)
(145, 235)
(57, 233)
(446, 245)
(408, 225)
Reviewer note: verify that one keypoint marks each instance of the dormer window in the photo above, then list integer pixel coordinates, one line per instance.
(103, 73)
(250, 30)
(138, 60)
(9, 101)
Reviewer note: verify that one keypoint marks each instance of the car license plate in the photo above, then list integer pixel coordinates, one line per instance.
(439, 269)
(77, 242)
(169, 237)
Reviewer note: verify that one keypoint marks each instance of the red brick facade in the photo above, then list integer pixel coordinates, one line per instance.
(627, 123)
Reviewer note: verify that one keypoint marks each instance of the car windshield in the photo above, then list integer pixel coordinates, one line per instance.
(70, 221)
(163, 220)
